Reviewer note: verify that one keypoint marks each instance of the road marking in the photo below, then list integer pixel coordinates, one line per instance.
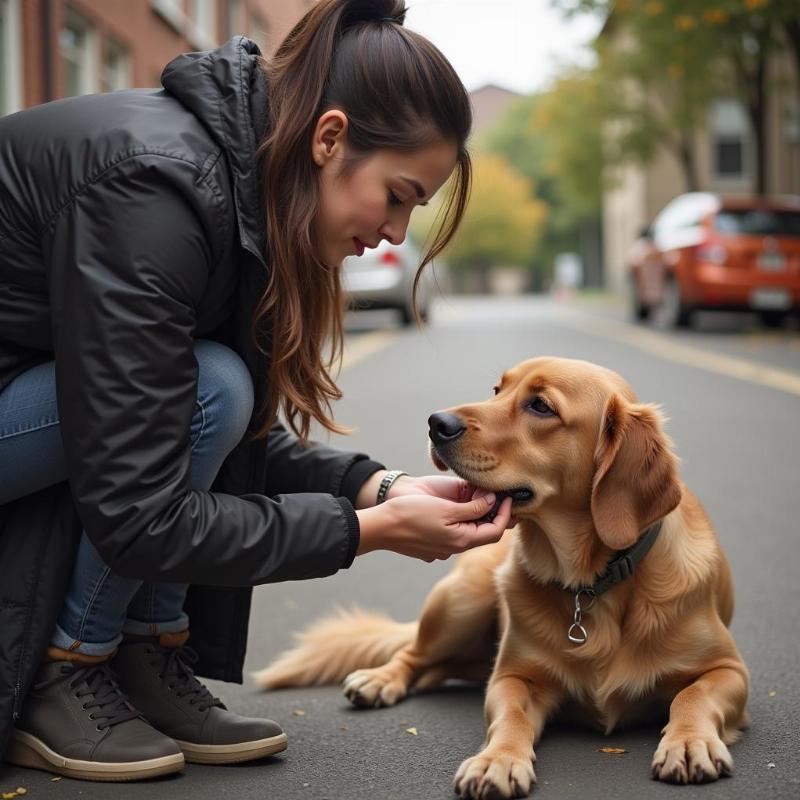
(654, 343)
(364, 346)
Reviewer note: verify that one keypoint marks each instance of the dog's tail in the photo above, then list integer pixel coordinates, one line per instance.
(331, 648)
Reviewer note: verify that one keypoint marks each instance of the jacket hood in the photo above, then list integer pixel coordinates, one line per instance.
(226, 90)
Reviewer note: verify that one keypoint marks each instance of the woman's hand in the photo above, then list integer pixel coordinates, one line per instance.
(445, 486)
(430, 528)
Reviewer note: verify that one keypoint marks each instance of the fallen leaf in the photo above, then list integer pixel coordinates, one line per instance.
(343, 728)
(306, 785)
(57, 778)
(412, 731)
(298, 712)
(770, 765)
(772, 694)
(612, 750)
(8, 795)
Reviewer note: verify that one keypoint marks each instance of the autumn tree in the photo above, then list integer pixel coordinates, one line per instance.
(502, 223)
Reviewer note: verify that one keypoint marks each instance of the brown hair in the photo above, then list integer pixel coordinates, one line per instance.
(399, 93)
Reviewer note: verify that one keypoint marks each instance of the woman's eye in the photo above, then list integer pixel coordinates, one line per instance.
(496, 389)
(540, 406)
(394, 200)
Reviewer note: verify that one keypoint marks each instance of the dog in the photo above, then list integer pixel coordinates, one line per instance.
(610, 600)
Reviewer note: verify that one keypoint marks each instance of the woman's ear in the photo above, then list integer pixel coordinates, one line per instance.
(329, 137)
(636, 481)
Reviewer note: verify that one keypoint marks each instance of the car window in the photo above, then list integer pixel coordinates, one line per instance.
(758, 222)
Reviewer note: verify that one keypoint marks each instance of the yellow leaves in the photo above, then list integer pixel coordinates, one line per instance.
(654, 8)
(11, 795)
(614, 751)
(772, 694)
(684, 22)
(56, 779)
(412, 731)
(754, 5)
(716, 16)
(298, 712)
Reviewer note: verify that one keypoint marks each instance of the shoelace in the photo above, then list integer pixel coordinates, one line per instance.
(96, 680)
(179, 676)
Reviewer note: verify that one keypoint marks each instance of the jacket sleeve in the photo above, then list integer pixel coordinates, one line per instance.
(128, 262)
(314, 467)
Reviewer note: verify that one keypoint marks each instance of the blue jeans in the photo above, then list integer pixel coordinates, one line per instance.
(100, 606)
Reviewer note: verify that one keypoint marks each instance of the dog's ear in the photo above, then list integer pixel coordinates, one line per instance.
(635, 481)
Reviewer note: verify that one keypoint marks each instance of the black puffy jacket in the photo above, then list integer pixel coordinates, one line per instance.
(130, 226)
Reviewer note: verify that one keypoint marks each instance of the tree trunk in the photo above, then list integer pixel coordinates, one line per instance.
(688, 162)
(753, 89)
(758, 119)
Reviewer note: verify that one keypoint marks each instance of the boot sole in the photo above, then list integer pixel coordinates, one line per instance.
(26, 750)
(232, 753)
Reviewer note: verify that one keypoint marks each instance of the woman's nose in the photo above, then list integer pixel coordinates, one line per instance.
(394, 232)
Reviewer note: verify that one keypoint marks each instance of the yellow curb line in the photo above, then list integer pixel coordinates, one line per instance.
(685, 354)
(365, 346)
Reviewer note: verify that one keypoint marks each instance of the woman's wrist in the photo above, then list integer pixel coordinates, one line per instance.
(375, 526)
(369, 490)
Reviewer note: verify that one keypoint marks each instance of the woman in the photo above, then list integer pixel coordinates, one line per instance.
(168, 279)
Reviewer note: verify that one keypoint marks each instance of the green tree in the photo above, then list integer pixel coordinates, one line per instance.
(555, 140)
(684, 52)
(501, 225)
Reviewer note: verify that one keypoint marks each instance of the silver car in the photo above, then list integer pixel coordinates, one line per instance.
(384, 278)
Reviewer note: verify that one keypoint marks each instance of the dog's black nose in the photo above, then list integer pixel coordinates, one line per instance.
(445, 428)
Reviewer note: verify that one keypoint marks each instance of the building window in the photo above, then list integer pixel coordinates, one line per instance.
(236, 18)
(77, 46)
(171, 11)
(729, 135)
(10, 57)
(258, 32)
(202, 23)
(115, 72)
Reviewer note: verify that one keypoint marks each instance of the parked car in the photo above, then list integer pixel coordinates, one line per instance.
(706, 252)
(384, 278)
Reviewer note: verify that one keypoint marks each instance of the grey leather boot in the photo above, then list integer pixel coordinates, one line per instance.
(160, 681)
(76, 722)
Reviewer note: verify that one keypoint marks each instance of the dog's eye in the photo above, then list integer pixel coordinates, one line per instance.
(540, 406)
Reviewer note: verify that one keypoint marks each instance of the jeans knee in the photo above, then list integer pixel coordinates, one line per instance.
(225, 388)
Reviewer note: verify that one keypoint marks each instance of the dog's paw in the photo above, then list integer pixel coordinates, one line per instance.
(691, 759)
(373, 688)
(491, 776)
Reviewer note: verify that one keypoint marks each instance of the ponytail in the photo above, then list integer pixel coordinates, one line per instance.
(399, 93)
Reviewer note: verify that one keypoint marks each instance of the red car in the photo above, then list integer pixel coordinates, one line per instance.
(705, 252)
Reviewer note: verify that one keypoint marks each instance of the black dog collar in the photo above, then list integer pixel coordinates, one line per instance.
(621, 567)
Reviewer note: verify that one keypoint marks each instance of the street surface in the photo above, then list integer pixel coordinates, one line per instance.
(732, 395)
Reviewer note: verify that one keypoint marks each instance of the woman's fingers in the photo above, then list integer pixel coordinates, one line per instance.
(481, 533)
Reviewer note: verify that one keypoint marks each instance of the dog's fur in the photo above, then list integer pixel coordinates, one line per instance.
(602, 471)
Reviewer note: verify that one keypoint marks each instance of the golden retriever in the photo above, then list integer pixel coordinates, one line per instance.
(590, 470)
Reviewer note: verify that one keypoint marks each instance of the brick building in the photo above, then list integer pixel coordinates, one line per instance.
(56, 48)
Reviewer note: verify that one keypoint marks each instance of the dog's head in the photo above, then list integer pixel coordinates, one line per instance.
(567, 435)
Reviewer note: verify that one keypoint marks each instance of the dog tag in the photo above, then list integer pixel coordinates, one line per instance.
(577, 633)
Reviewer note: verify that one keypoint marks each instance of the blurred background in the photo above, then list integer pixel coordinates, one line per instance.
(637, 163)
(591, 116)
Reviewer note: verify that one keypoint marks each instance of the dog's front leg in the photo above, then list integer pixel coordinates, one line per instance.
(703, 718)
(517, 705)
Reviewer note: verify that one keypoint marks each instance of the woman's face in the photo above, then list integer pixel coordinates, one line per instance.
(374, 200)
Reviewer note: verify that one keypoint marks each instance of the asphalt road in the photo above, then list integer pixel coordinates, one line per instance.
(732, 395)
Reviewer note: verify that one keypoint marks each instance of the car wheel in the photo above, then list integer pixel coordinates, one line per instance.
(674, 312)
(406, 316)
(639, 311)
(772, 319)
